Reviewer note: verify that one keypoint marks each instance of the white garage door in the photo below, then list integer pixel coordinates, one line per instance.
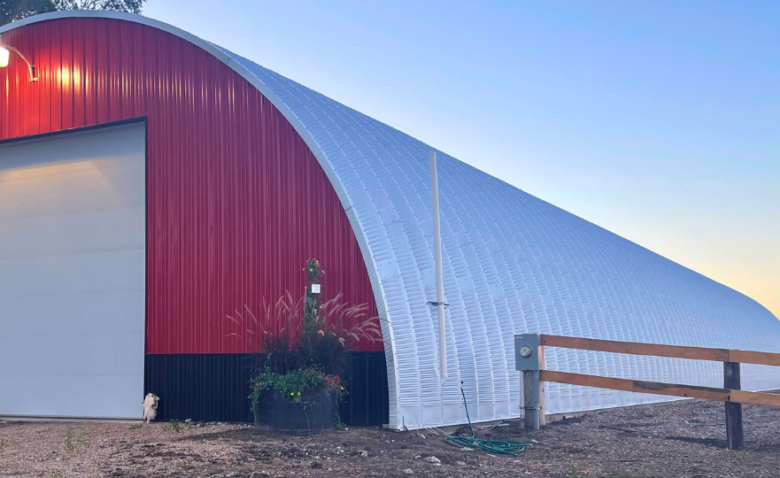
(72, 274)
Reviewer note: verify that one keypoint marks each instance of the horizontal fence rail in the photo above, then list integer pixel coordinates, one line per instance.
(656, 350)
(658, 388)
(529, 358)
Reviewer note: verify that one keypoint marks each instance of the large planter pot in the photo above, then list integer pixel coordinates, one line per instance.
(310, 418)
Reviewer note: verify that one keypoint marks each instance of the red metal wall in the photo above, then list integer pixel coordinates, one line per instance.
(236, 200)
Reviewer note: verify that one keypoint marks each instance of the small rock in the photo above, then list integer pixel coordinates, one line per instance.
(460, 463)
(189, 420)
(409, 471)
(364, 453)
(434, 460)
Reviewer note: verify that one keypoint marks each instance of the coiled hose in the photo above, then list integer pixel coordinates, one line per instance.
(499, 447)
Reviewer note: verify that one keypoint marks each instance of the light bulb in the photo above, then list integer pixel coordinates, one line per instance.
(4, 55)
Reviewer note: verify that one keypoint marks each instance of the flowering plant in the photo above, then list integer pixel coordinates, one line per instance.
(313, 270)
(303, 345)
(295, 385)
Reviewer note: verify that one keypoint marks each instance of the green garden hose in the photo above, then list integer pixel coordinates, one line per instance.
(499, 447)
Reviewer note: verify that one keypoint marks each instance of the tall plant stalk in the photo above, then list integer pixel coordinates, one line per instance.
(311, 310)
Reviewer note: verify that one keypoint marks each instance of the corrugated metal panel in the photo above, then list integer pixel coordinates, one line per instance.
(202, 387)
(215, 387)
(236, 200)
(367, 403)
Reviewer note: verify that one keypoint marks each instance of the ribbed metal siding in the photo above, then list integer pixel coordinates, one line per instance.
(215, 387)
(236, 200)
(202, 387)
(367, 403)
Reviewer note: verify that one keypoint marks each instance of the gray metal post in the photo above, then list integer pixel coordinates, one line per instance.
(537, 391)
(529, 358)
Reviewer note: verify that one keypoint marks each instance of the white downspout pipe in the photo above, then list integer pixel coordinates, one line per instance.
(439, 275)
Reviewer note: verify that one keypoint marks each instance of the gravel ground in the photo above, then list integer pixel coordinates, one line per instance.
(683, 439)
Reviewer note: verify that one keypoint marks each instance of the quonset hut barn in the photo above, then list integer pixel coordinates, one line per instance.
(152, 182)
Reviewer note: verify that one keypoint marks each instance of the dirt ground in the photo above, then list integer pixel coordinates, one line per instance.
(683, 439)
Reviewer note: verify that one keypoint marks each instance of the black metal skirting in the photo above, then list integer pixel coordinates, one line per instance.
(368, 401)
(215, 387)
(208, 387)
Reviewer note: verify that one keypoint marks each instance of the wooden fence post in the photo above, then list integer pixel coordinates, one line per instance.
(731, 380)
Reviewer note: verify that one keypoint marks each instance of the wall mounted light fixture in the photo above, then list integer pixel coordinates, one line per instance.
(5, 55)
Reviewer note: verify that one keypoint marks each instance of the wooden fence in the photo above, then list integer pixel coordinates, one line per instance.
(534, 377)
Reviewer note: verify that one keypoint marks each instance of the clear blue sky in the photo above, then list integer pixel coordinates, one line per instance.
(659, 120)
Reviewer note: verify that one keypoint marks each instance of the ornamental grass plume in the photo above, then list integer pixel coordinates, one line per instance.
(285, 337)
(302, 345)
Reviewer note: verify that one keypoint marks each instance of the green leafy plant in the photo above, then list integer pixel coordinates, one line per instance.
(76, 438)
(172, 426)
(303, 345)
(295, 385)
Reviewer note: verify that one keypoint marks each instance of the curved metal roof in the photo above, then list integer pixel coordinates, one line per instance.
(512, 264)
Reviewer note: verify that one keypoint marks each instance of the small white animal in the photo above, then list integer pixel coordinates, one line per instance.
(150, 407)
